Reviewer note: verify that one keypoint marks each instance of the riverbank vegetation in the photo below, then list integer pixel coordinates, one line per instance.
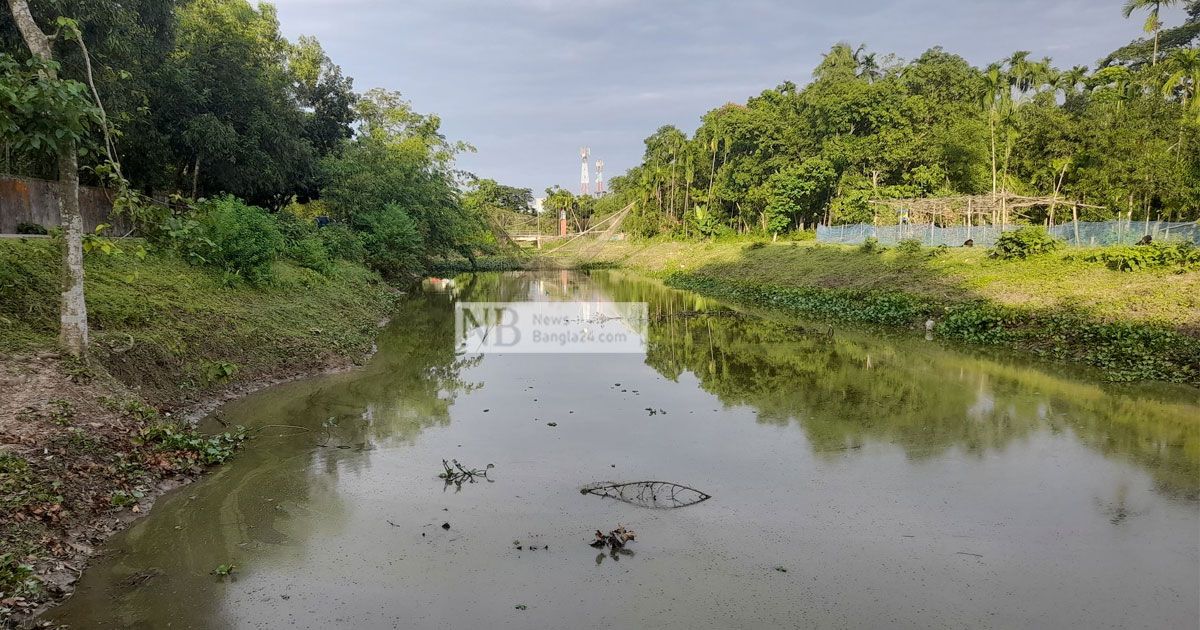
(85, 444)
(270, 205)
(1066, 304)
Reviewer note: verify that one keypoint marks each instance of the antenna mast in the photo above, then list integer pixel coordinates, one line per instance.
(584, 184)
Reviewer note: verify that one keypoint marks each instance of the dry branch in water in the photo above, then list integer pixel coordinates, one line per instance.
(457, 475)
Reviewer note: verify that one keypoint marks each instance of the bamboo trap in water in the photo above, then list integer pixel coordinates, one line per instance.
(650, 494)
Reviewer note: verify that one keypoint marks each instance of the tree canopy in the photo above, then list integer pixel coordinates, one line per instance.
(1124, 137)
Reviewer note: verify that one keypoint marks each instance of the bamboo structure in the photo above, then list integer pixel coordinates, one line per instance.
(972, 210)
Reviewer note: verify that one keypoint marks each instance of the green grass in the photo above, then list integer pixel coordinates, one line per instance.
(1054, 281)
(1060, 305)
(174, 330)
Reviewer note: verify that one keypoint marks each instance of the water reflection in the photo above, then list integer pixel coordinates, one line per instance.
(849, 388)
(334, 512)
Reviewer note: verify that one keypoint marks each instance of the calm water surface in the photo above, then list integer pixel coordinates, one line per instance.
(898, 483)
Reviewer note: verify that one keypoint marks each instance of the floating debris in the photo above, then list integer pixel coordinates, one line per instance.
(456, 474)
(663, 317)
(651, 494)
(615, 539)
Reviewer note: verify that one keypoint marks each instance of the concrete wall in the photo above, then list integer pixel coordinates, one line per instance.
(28, 200)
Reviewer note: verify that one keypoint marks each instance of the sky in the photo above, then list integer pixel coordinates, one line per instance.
(529, 82)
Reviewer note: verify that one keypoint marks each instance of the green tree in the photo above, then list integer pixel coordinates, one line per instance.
(44, 112)
(1153, 25)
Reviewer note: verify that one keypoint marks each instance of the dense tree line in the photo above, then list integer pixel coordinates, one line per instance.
(1124, 137)
(206, 98)
(224, 142)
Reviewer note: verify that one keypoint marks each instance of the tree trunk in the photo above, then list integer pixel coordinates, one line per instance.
(1154, 58)
(195, 176)
(992, 129)
(73, 327)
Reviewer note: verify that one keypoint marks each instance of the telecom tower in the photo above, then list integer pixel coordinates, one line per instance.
(584, 187)
(599, 177)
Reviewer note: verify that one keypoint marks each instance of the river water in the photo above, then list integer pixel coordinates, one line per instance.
(859, 478)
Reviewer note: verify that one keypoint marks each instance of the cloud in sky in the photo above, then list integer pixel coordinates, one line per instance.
(530, 81)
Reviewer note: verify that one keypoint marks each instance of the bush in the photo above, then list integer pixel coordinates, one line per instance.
(293, 228)
(755, 245)
(342, 242)
(392, 242)
(909, 246)
(310, 253)
(31, 228)
(246, 239)
(870, 246)
(1183, 255)
(802, 235)
(1023, 243)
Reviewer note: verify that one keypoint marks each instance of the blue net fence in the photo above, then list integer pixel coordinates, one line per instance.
(1081, 234)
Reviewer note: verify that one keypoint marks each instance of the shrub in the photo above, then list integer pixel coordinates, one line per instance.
(246, 239)
(1184, 255)
(909, 246)
(310, 253)
(755, 245)
(392, 242)
(342, 242)
(293, 228)
(31, 228)
(802, 235)
(183, 235)
(1023, 243)
(870, 246)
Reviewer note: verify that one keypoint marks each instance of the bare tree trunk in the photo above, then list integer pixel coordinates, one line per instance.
(195, 176)
(73, 327)
(992, 129)
(1057, 188)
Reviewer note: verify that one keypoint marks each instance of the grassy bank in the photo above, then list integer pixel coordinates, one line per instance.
(85, 446)
(175, 332)
(1130, 325)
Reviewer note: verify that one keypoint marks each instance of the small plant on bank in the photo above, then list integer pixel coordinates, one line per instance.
(219, 371)
(191, 444)
(17, 582)
(61, 412)
(870, 246)
(224, 570)
(1023, 243)
(909, 247)
(121, 498)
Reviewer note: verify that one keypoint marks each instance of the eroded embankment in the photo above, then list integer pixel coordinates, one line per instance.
(1131, 326)
(85, 446)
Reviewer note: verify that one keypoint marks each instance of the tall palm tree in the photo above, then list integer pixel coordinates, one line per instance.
(1021, 71)
(1183, 67)
(1069, 80)
(689, 175)
(995, 95)
(1153, 25)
